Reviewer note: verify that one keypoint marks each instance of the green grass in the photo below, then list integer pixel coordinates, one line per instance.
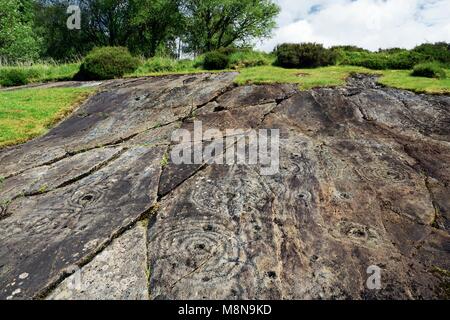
(159, 66)
(305, 78)
(164, 66)
(43, 72)
(254, 67)
(28, 113)
(402, 79)
(250, 58)
(336, 75)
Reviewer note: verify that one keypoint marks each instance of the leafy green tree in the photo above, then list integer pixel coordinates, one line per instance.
(439, 51)
(109, 21)
(158, 23)
(18, 42)
(149, 27)
(103, 23)
(59, 42)
(212, 24)
(141, 25)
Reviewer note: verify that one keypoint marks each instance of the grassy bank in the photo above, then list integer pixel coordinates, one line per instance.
(254, 67)
(402, 79)
(336, 75)
(237, 61)
(43, 72)
(305, 78)
(28, 113)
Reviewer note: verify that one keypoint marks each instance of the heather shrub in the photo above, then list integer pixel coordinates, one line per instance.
(304, 55)
(439, 51)
(249, 58)
(107, 63)
(215, 60)
(429, 70)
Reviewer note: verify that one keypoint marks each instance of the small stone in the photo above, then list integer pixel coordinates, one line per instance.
(17, 291)
(23, 276)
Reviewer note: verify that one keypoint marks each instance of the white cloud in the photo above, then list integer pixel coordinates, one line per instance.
(371, 24)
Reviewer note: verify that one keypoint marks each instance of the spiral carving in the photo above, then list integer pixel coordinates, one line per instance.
(82, 199)
(389, 172)
(216, 198)
(199, 244)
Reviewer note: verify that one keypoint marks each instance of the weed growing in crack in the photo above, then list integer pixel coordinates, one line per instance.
(5, 203)
(165, 160)
(43, 188)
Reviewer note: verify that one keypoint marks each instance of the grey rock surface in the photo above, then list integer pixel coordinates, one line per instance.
(363, 181)
(117, 273)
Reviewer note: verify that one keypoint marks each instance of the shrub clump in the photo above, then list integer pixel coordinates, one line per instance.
(13, 77)
(248, 58)
(429, 70)
(396, 59)
(229, 50)
(404, 60)
(215, 60)
(439, 52)
(17, 76)
(304, 55)
(237, 58)
(107, 63)
(366, 60)
(164, 64)
(348, 48)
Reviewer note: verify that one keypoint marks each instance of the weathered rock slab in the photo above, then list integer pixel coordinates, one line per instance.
(117, 273)
(363, 181)
(46, 234)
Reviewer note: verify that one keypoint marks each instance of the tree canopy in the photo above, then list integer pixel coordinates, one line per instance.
(212, 24)
(146, 27)
(18, 42)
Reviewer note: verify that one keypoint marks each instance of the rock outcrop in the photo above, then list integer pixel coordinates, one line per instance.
(95, 209)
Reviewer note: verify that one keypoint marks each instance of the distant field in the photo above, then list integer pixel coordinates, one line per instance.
(28, 113)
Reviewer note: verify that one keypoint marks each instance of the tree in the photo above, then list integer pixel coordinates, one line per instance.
(59, 42)
(140, 25)
(212, 24)
(109, 21)
(148, 27)
(158, 23)
(18, 42)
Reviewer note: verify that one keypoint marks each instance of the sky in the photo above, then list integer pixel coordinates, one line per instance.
(371, 24)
